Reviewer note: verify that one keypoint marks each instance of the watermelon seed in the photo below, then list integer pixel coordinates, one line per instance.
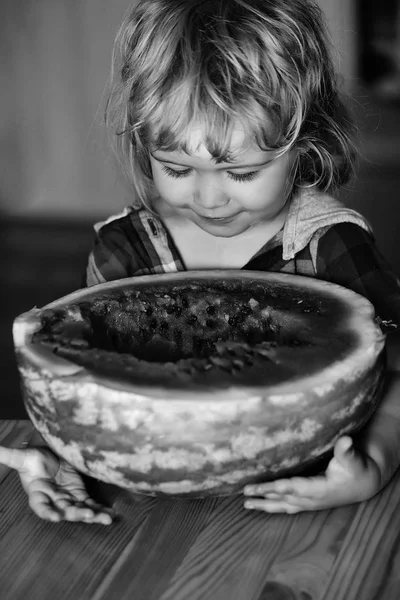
(237, 365)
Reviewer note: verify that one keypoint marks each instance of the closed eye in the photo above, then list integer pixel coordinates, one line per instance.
(241, 177)
(174, 173)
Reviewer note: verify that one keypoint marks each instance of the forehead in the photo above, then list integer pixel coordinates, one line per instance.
(239, 144)
(238, 141)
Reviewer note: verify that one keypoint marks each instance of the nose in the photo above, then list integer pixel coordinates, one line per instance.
(208, 194)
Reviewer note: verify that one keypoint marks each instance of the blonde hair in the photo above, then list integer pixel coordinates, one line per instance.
(264, 64)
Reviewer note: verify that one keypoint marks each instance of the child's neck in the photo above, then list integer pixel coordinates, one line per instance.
(201, 250)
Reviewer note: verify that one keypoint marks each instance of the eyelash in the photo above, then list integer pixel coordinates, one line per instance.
(240, 177)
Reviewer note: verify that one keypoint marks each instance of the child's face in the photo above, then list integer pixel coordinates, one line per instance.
(227, 199)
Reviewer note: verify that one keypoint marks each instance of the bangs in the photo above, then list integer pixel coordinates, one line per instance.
(178, 118)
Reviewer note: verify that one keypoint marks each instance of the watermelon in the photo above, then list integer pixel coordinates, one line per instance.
(198, 383)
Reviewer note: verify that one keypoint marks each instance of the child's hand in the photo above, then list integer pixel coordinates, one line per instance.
(350, 477)
(56, 491)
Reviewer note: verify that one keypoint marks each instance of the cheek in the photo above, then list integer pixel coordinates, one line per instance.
(268, 190)
(170, 189)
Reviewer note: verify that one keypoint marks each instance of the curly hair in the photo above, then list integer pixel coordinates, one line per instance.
(264, 64)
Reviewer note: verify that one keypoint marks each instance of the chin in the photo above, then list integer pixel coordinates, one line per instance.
(228, 234)
(222, 231)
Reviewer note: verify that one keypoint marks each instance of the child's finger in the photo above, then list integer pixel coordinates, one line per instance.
(309, 488)
(12, 457)
(301, 487)
(269, 495)
(87, 514)
(71, 508)
(279, 486)
(81, 505)
(99, 508)
(343, 448)
(272, 506)
(346, 459)
(64, 509)
(78, 513)
(289, 503)
(43, 507)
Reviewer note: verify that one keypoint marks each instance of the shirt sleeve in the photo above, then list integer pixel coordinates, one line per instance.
(113, 254)
(347, 255)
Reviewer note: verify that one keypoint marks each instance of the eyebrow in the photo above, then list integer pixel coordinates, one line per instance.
(231, 166)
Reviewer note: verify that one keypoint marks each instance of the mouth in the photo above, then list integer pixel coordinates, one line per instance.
(217, 219)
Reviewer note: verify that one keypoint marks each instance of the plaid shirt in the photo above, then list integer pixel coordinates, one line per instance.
(136, 243)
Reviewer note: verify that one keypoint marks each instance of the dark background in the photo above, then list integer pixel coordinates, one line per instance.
(57, 176)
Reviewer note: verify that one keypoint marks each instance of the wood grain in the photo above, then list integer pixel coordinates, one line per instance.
(14, 434)
(301, 567)
(365, 567)
(168, 534)
(231, 556)
(63, 561)
(257, 556)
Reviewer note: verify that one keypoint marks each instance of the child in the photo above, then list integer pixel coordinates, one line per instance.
(227, 117)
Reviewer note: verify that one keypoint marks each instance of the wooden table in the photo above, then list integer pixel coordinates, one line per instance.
(196, 549)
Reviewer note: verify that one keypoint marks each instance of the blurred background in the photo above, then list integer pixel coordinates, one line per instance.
(57, 175)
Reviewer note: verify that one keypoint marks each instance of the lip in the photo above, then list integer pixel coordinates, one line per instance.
(217, 219)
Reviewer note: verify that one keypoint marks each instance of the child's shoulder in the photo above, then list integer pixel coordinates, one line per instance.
(124, 246)
(314, 207)
(312, 213)
(124, 219)
(131, 224)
